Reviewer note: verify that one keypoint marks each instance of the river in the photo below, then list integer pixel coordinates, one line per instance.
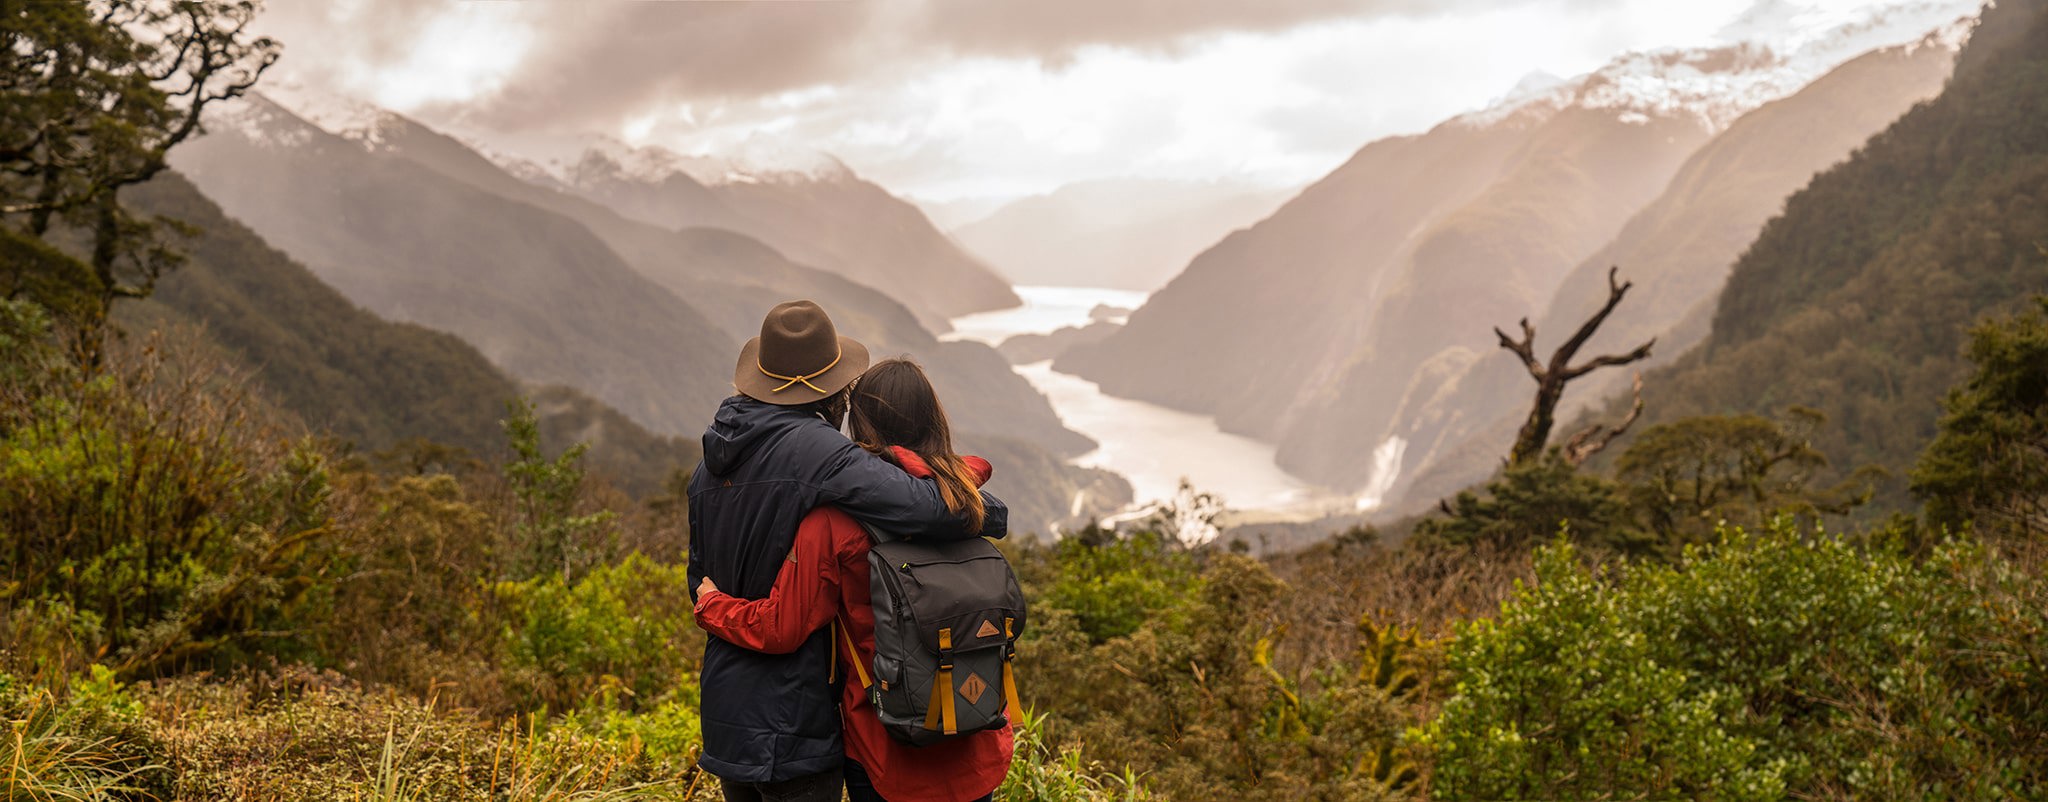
(1152, 446)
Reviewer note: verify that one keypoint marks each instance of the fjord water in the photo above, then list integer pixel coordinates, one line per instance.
(1152, 446)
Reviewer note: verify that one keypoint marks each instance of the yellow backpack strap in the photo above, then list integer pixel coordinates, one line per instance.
(1013, 708)
(940, 716)
(845, 637)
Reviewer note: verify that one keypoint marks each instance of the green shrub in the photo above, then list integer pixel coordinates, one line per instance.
(623, 630)
(669, 731)
(147, 513)
(1114, 584)
(1527, 502)
(1205, 696)
(1042, 773)
(85, 742)
(1564, 697)
(1989, 464)
(1767, 665)
(548, 534)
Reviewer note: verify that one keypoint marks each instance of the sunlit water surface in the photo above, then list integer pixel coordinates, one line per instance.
(1152, 446)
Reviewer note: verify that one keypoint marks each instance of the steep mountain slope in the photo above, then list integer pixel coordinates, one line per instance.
(1572, 187)
(733, 279)
(1856, 300)
(1677, 250)
(423, 182)
(824, 216)
(538, 294)
(1124, 233)
(1329, 338)
(1260, 310)
(348, 373)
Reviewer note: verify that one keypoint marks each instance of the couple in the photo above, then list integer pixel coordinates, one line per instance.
(779, 564)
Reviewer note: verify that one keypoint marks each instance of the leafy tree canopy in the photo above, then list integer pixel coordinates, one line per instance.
(1989, 464)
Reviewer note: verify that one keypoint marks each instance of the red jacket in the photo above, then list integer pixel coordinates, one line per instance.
(826, 577)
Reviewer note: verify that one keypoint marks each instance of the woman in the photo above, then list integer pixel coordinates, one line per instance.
(892, 412)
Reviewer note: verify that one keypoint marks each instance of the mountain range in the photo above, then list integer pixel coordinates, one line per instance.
(1677, 251)
(1360, 313)
(356, 377)
(819, 213)
(1351, 325)
(558, 289)
(1130, 233)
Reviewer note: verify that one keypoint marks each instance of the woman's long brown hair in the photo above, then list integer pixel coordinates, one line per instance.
(893, 404)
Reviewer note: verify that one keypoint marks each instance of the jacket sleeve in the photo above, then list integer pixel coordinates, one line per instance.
(877, 491)
(805, 597)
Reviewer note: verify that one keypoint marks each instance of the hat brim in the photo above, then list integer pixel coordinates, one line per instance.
(751, 382)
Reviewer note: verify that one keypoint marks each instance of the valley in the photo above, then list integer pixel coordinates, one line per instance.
(1380, 416)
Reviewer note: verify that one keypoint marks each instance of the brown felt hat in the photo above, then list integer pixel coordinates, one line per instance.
(799, 357)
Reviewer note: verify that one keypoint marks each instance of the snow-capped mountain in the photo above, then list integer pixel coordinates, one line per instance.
(808, 205)
(1775, 49)
(342, 116)
(1361, 306)
(614, 159)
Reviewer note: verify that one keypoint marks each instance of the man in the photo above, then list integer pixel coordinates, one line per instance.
(771, 722)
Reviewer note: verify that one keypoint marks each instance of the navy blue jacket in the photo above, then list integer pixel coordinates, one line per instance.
(775, 717)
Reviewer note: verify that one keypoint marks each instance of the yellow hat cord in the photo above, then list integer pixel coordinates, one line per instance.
(805, 380)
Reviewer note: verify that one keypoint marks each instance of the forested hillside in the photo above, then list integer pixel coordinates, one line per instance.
(367, 382)
(542, 297)
(1856, 301)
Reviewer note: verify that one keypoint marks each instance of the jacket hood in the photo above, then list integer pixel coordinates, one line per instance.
(742, 425)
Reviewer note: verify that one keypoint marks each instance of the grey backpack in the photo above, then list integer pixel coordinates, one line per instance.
(947, 617)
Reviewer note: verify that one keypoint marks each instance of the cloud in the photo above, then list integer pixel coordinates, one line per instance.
(962, 98)
(597, 62)
(1054, 29)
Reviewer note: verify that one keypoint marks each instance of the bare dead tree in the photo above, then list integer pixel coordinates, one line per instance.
(1592, 439)
(1551, 379)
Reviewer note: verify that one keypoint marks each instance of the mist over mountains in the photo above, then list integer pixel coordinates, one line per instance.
(556, 288)
(814, 210)
(1131, 234)
(1349, 322)
(1361, 312)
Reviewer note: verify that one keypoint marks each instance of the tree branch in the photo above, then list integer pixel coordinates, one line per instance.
(1615, 292)
(1594, 438)
(1642, 352)
(1524, 349)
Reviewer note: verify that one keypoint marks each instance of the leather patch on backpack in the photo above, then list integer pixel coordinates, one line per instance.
(987, 630)
(973, 688)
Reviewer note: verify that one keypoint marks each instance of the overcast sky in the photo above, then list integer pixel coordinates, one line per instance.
(951, 99)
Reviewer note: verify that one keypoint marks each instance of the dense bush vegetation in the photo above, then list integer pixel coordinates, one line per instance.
(1768, 664)
(199, 602)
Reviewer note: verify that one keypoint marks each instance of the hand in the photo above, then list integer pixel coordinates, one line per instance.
(705, 586)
